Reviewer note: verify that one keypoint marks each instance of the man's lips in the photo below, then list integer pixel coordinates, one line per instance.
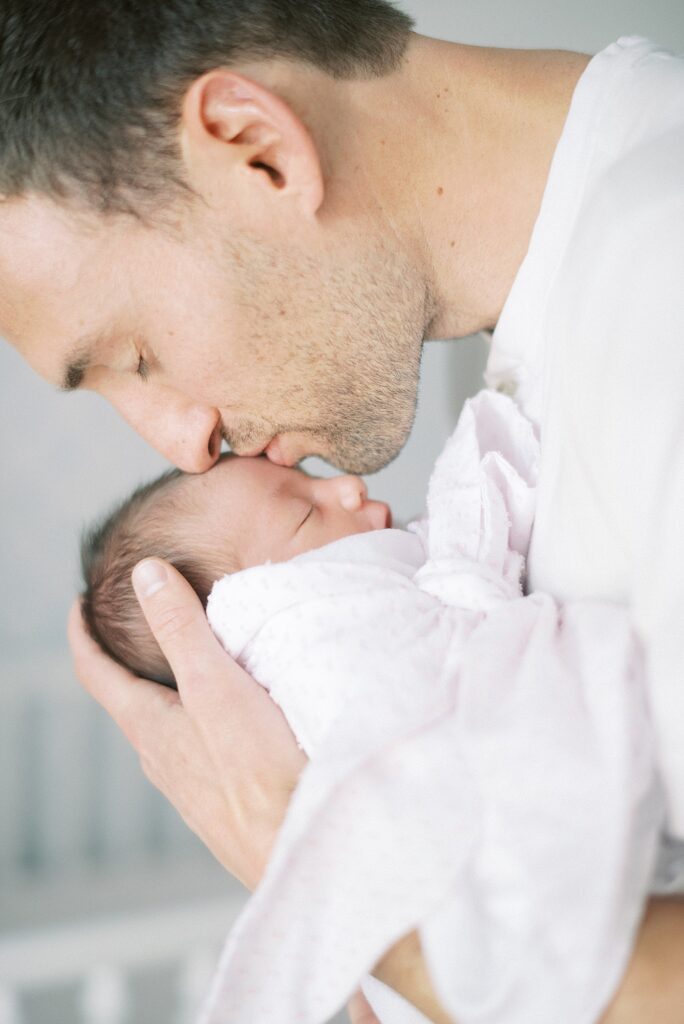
(274, 451)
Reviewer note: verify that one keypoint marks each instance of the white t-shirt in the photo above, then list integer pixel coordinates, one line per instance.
(591, 341)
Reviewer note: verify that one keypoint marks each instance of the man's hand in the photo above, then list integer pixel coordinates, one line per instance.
(220, 750)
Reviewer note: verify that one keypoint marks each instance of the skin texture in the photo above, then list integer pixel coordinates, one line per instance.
(332, 226)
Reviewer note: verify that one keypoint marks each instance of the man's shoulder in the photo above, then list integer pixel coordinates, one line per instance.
(639, 197)
(626, 251)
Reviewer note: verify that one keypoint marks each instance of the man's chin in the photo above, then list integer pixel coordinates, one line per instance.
(356, 456)
(276, 451)
(369, 461)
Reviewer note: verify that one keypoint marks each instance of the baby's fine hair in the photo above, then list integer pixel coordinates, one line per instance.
(155, 521)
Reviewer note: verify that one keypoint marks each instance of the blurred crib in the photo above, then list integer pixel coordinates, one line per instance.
(111, 912)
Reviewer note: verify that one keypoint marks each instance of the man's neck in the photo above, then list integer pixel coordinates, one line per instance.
(449, 156)
(460, 146)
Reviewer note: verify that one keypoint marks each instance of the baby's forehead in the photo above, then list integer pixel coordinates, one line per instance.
(236, 484)
(257, 472)
(203, 483)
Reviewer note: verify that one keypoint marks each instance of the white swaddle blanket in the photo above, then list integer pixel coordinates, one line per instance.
(481, 763)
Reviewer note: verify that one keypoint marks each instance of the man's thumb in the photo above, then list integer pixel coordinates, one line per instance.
(176, 617)
(149, 577)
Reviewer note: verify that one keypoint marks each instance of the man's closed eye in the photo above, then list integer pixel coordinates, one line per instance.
(143, 369)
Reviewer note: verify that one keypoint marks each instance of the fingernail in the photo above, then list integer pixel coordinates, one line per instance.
(149, 577)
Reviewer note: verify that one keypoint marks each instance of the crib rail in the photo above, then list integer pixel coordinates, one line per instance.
(72, 794)
(111, 911)
(99, 959)
(101, 884)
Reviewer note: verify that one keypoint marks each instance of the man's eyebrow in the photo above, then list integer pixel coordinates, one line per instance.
(78, 362)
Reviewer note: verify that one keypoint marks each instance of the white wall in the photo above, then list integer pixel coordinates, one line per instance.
(582, 25)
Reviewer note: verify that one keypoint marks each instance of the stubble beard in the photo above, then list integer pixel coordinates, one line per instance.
(356, 394)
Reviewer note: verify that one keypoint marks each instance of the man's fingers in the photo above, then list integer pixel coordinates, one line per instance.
(219, 748)
(175, 609)
(175, 615)
(217, 693)
(131, 702)
(243, 731)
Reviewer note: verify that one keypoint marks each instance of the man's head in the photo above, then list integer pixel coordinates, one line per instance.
(187, 227)
(243, 513)
(92, 92)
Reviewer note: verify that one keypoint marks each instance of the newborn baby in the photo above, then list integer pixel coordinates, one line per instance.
(245, 512)
(481, 763)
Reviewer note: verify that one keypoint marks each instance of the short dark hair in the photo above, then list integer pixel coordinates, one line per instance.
(91, 90)
(140, 527)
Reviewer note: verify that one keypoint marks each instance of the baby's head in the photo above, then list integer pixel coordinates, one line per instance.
(243, 512)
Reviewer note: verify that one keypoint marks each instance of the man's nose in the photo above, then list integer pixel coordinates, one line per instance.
(349, 492)
(197, 446)
(185, 432)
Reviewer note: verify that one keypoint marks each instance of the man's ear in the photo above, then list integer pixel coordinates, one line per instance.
(231, 125)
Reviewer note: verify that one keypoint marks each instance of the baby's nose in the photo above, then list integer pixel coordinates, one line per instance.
(351, 492)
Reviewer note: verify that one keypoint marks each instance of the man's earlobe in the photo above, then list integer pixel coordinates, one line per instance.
(231, 124)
